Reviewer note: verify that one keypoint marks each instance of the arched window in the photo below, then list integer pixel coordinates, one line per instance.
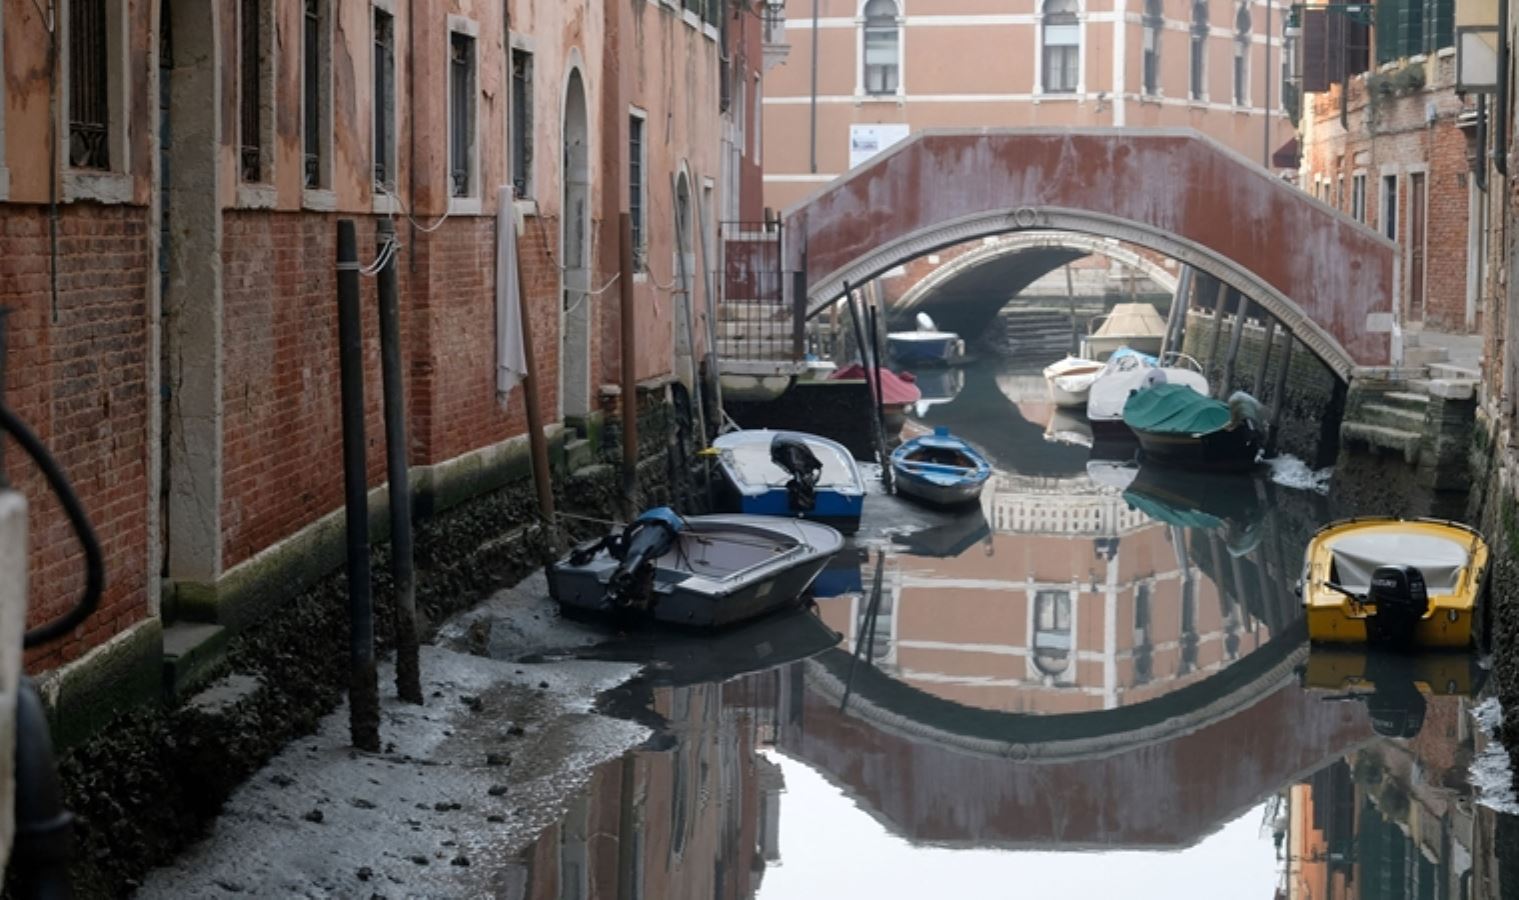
(1062, 46)
(1242, 56)
(1052, 631)
(883, 47)
(1199, 49)
(1154, 21)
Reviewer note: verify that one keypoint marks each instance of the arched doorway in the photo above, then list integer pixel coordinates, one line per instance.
(575, 254)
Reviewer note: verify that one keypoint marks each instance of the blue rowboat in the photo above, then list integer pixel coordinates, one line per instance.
(789, 473)
(940, 468)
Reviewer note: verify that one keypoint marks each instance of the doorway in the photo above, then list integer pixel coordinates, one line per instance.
(1416, 248)
(575, 330)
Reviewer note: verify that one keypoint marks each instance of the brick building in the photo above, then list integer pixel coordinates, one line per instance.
(1390, 142)
(171, 176)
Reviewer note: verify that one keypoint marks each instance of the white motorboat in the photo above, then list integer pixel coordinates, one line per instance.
(705, 571)
(1128, 371)
(1070, 379)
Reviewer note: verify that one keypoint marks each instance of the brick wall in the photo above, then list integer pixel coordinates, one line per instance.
(281, 393)
(79, 380)
(1397, 130)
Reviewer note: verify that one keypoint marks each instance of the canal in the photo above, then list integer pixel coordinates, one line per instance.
(1095, 685)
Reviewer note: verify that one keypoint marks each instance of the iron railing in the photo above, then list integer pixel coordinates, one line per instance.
(755, 319)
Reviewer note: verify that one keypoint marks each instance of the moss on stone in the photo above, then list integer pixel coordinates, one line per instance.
(122, 674)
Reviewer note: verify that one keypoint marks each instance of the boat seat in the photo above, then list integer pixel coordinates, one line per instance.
(1356, 556)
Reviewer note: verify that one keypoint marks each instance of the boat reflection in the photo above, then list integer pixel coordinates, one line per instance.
(1394, 817)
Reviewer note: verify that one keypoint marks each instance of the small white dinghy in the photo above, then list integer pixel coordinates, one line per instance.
(1128, 371)
(1070, 379)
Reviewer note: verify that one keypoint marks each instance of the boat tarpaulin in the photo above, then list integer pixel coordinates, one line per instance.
(894, 388)
(1174, 409)
(1357, 556)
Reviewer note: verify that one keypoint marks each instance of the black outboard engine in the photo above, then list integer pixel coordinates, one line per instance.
(793, 455)
(1400, 598)
(646, 539)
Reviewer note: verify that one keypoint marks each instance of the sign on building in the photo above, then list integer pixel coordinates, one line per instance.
(866, 141)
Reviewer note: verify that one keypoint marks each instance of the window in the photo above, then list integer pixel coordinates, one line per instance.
(1199, 85)
(251, 96)
(1062, 46)
(759, 115)
(638, 189)
(90, 85)
(1339, 192)
(384, 99)
(1242, 56)
(315, 56)
(1358, 196)
(1388, 212)
(1052, 631)
(461, 115)
(522, 123)
(882, 47)
(1409, 27)
(1154, 21)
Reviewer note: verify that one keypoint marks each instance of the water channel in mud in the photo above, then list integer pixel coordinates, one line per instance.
(1097, 685)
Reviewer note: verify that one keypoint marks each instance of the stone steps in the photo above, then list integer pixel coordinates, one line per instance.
(1452, 372)
(1382, 437)
(1413, 401)
(1394, 416)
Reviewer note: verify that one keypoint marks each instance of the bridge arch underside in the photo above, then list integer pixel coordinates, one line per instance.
(1032, 263)
(966, 292)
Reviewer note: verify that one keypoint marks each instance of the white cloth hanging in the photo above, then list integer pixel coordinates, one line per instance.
(511, 357)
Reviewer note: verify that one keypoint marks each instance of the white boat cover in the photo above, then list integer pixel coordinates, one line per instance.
(1358, 555)
(1111, 390)
(749, 452)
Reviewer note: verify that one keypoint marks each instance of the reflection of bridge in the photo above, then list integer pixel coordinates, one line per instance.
(1161, 775)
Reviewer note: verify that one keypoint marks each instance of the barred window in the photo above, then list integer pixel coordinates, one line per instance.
(384, 99)
(461, 119)
(314, 54)
(1154, 23)
(637, 190)
(1242, 56)
(251, 97)
(522, 123)
(1199, 49)
(89, 86)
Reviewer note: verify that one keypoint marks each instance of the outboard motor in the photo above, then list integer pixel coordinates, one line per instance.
(793, 455)
(1400, 598)
(646, 539)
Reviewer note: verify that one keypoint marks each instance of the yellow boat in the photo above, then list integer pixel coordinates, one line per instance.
(1403, 582)
(1396, 688)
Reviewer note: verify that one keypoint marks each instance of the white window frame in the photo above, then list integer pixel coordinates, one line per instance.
(1152, 28)
(1358, 203)
(1201, 96)
(860, 93)
(1040, 88)
(1243, 45)
(260, 194)
(382, 203)
(115, 184)
(759, 116)
(322, 197)
(1387, 203)
(468, 204)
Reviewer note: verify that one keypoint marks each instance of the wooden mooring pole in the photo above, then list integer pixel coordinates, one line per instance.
(1235, 336)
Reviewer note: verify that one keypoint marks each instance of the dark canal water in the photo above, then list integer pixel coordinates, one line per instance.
(1097, 685)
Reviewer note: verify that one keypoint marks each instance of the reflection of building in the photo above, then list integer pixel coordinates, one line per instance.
(700, 819)
(1393, 820)
(1057, 622)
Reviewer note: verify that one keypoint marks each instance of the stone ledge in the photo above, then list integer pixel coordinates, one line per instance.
(192, 653)
(123, 673)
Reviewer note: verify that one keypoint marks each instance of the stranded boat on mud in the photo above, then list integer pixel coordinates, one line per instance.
(1178, 426)
(788, 473)
(1402, 582)
(940, 468)
(704, 571)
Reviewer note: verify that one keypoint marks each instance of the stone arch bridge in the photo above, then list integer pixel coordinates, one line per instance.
(1327, 278)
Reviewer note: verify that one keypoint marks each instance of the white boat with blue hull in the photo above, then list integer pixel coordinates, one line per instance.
(699, 571)
(788, 473)
(940, 468)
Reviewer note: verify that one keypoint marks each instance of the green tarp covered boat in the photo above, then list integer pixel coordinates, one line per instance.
(1177, 425)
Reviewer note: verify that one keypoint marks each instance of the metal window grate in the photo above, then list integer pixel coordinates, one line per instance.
(384, 98)
(250, 99)
(89, 86)
(311, 53)
(636, 191)
(522, 121)
(461, 124)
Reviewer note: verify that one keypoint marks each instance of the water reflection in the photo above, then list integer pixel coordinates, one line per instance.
(1107, 657)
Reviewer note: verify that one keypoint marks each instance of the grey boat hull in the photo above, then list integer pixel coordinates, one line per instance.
(725, 570)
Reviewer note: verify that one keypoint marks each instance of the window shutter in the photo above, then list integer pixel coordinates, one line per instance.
(1357, 47)
(1315, 59)
(1334, 48)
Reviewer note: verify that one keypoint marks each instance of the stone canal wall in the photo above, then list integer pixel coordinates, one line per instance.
(149, 783)
(1308, 426)
(1492, 507)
